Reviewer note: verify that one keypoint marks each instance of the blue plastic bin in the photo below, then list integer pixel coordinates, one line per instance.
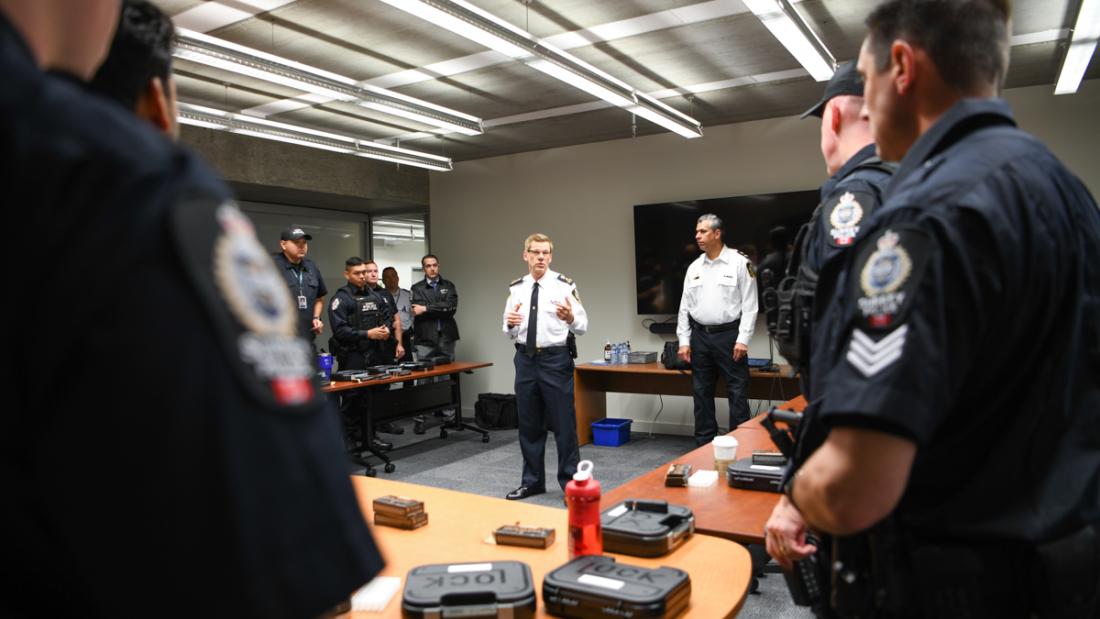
(611, 432)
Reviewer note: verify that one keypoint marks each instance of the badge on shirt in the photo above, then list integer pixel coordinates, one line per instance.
(301, 301)
(845, 217)
(238, 285)
(889, 268)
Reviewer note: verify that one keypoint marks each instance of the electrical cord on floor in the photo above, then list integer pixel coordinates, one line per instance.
(661, 399)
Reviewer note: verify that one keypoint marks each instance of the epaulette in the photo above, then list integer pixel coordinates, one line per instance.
(565, 279)
(743, 254)
(515, 282)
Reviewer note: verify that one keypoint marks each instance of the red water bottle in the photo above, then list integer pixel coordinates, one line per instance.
(582, 495)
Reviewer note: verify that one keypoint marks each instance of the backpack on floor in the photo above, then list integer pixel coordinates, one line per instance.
(496, 411)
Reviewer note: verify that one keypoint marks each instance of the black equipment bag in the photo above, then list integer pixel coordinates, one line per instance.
(595, 587)
(496, 411)
(671, 360)
(497, 589)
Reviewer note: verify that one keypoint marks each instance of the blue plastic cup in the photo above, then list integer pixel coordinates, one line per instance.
(324, 361)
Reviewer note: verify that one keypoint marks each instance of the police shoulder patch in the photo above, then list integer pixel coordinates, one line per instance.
(565, 279)
(750, 268)
(845, 212)
(247, 298)
(886, 275)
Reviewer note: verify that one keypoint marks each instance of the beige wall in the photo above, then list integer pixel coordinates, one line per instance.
(583, 197)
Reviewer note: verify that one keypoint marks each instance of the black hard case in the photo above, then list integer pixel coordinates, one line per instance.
(597, 587)
(490, 589)
(747, 476)
(646, 528)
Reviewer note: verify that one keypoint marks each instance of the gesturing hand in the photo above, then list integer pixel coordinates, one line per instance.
(515, 318)
(565, 312)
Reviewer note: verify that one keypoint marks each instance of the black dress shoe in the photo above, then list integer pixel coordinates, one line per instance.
(378, 444)
(389, 428)
(523, 492)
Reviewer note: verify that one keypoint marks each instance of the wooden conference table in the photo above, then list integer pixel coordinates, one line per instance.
(592, 383)
(385, 404)
(722, 511)
(459, 524)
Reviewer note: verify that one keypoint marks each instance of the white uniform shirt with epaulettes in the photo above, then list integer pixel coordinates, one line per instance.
(554, 289)
(717, 292)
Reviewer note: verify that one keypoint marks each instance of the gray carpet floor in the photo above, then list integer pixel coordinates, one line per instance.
(462, 462)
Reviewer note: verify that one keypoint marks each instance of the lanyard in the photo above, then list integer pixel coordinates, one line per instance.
(298, 272)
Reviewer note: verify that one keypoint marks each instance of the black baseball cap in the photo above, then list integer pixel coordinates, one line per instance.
(845, 81)
(293, 234)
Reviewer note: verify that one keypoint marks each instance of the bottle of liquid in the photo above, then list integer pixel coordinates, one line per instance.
(626, 352)
(607, 352)
(582, 495)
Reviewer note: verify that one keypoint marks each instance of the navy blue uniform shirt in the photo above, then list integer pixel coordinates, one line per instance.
(165, 444)
(847, 199)
(302, 279)
(968, 321)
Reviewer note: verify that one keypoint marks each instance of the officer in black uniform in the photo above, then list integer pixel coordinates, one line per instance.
(361, 316)
(307, 287)
(434, 303)
(362, 319)
(957, 441)
(852, 193)
(198, 464)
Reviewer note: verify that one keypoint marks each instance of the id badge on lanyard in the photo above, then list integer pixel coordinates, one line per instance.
(301, 297)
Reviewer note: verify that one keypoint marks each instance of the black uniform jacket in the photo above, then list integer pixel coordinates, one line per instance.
(442, 303)
(165, 442)
(968, 321)
(355, 311)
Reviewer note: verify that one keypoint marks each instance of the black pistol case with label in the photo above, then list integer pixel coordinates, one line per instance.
(598, 587)
(646, 528)
(748, 476)
(490, 589)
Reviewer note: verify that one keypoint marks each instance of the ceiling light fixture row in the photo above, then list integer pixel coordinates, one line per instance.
(479, 26)
(242, 60)
(1081, 48)
(211, 118)
(795, 34)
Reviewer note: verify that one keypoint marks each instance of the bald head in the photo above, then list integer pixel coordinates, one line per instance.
(845, 130)
(71, 36)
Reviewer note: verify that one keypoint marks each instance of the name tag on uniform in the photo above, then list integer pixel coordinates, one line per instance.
(301, 301)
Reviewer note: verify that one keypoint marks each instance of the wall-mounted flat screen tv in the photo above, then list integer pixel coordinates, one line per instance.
(761, 226)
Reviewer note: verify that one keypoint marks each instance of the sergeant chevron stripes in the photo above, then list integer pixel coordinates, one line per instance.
(871, 357)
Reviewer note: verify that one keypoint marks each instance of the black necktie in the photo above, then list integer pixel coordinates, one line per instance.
(533, 321)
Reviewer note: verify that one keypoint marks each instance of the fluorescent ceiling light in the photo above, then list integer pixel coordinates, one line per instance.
(211, 118)
(791, 30)
(1081, 47)
(467, 20)
(243, 60)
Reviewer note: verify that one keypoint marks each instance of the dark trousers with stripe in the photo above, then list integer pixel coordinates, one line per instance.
(712, 353)
(544, 397)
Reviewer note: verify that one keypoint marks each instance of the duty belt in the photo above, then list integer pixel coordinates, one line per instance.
(539, 350)
(715, 328)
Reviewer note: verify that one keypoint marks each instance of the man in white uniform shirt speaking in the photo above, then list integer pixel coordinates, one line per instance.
(716, 321)
(542, 311)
